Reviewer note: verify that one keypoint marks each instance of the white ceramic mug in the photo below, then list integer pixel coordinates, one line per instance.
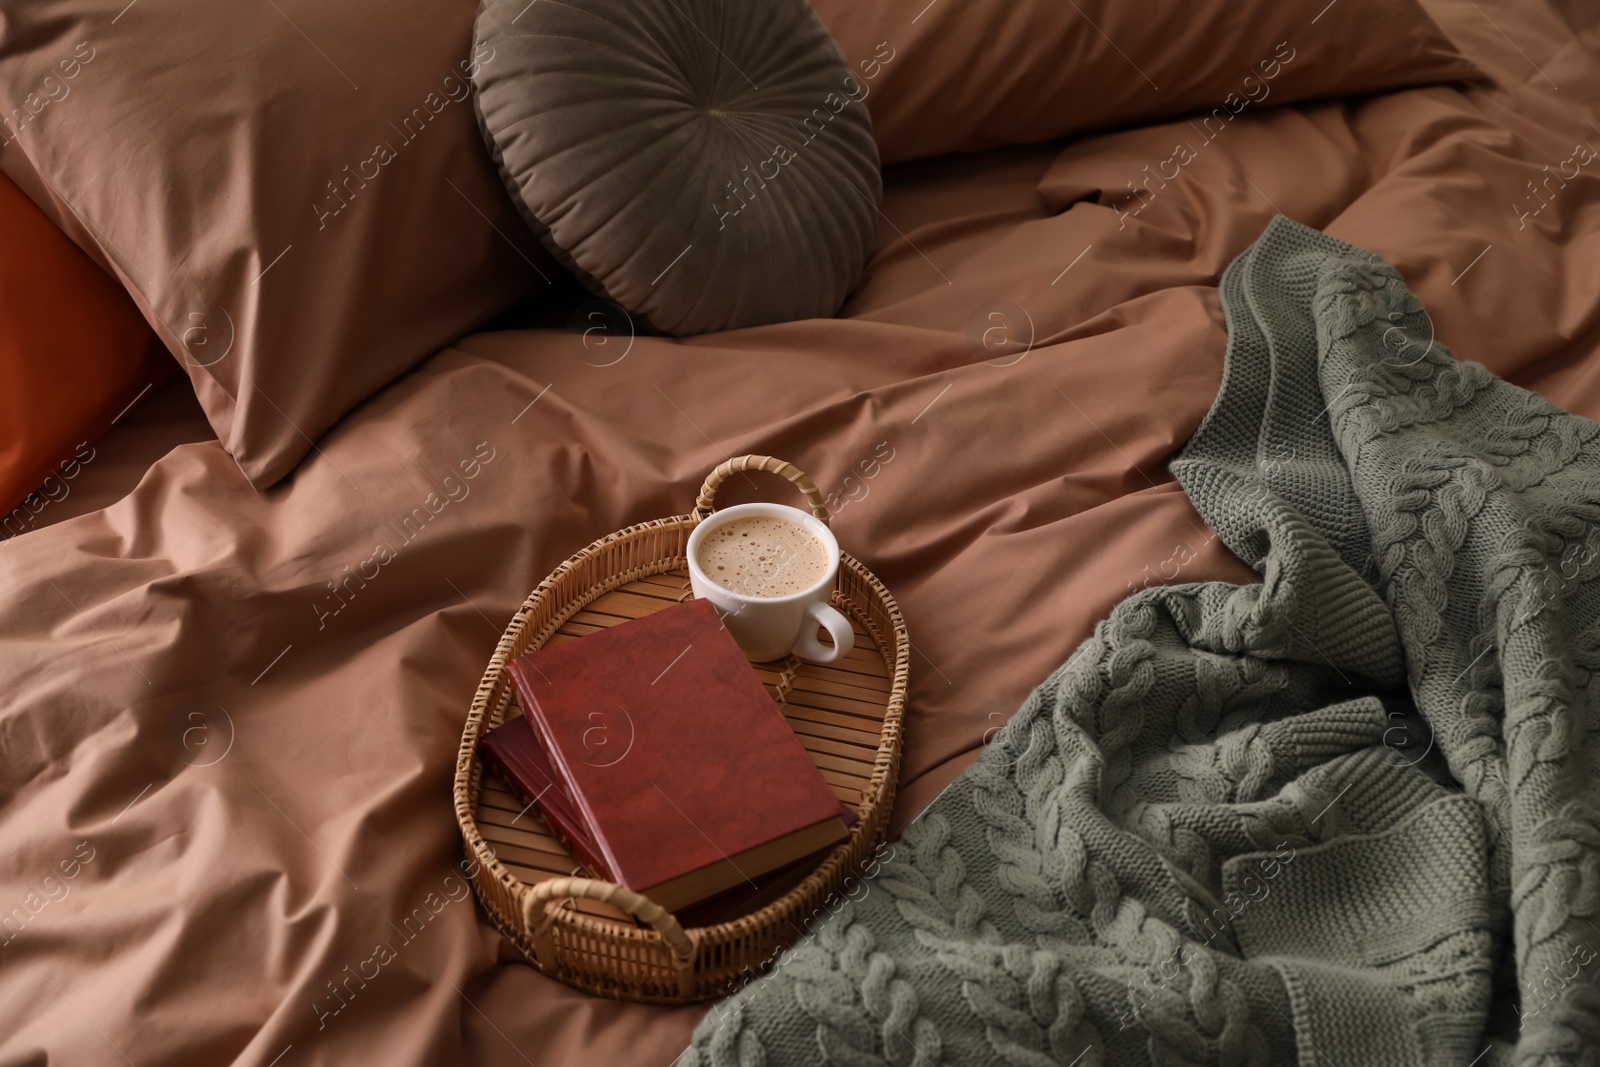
(771, 627)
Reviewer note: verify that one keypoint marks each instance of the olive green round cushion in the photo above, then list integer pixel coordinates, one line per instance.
(706, 164)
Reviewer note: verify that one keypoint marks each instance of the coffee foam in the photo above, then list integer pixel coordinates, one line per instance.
(762, 556)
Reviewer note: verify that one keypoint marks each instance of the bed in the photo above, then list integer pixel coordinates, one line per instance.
(246, 757)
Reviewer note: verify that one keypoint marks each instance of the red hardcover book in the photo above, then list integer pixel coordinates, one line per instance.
(512, 751)
(683, 772)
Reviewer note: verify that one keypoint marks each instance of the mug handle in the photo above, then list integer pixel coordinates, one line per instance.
(838, 627)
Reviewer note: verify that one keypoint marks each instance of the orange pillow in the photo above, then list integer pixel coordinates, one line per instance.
(75, 353)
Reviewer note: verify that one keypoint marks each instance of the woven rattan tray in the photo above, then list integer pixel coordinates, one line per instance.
(602, 937)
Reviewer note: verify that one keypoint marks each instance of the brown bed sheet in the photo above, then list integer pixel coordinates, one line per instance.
(246, 771)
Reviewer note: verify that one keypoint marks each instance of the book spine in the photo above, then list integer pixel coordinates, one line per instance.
(564, 781)
(580, 849)
(567, 835)
(530, 704)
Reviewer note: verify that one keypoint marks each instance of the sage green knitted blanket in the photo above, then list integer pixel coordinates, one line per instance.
(1346, 816)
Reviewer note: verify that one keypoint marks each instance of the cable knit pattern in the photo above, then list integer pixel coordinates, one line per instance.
(1221, 833)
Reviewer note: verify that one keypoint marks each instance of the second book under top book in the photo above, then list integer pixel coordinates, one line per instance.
(686, 776)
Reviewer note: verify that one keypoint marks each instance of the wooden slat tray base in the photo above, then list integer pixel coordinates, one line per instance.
(836, 711)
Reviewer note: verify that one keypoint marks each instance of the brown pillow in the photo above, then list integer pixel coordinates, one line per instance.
(294, 192)
(703, 180)
(954, 76)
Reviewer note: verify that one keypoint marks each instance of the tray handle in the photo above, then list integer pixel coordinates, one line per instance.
(538, 917)
(703, 505)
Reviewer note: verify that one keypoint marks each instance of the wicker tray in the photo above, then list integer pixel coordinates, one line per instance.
(602, 937)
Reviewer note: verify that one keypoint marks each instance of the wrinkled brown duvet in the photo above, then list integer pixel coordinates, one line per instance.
(228, 720)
